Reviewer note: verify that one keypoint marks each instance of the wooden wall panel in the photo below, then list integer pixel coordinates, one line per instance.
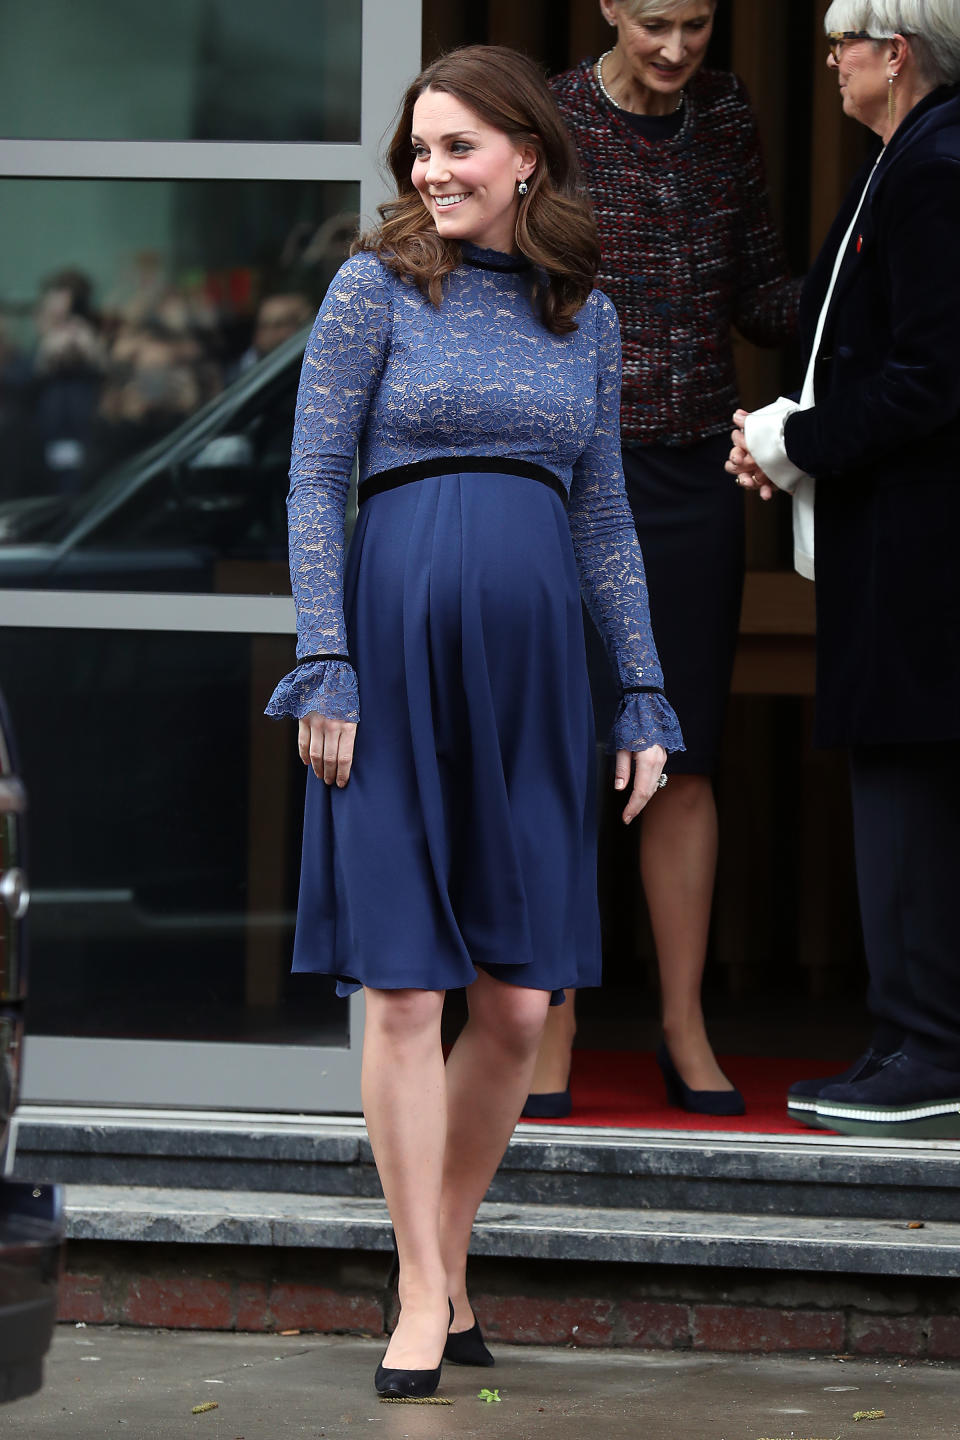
(760, 58)
(523, 26)
(587, 31)
(449, 23)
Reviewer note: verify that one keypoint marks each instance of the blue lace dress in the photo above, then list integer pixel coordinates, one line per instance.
(491, 494)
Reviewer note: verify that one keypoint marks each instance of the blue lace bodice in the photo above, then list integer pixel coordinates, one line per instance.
(388, 374)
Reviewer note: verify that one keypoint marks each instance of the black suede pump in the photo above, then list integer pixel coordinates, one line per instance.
(409, 1384)
(467, 1347)
(696, 1102)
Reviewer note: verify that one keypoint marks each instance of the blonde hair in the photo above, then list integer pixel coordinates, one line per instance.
(931, 26)
(654, 9)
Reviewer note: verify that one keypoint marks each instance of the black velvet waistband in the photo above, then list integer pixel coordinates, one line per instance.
(458, 465)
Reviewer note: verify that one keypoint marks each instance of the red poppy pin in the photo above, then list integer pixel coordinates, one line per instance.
(859, 243)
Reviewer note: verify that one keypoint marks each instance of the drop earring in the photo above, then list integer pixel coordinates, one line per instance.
(522, 188)
(891, 102)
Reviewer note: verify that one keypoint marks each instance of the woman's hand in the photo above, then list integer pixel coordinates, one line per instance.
(647, 766)
(742, 463)
(327, 745)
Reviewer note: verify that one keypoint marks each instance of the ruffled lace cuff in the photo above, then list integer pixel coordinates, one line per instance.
(327, 686)
(644, 720)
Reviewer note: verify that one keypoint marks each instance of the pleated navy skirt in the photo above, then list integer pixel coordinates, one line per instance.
(465, 836)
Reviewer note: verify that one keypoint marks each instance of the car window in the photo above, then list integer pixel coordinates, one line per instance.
(225, 495)
(139, 321)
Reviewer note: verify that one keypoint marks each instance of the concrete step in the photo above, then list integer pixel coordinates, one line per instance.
(811, 1175)
(531, 1231)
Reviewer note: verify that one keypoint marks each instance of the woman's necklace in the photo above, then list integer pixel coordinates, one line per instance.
(598, 71)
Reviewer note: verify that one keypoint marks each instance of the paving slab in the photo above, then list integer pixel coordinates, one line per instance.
(143, 1384)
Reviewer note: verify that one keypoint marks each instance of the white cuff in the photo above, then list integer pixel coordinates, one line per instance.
(764, 431)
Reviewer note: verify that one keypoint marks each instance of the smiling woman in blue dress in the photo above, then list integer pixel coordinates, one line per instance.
(449, 841)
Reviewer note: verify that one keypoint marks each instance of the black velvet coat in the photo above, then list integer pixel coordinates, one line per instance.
(883, 441)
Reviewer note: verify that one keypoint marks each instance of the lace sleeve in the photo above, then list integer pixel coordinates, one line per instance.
(610, 564)
(341, 369)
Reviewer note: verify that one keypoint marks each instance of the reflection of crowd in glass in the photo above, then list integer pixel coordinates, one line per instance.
(98, 384)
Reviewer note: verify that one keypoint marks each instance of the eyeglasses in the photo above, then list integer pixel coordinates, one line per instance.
(836, 40)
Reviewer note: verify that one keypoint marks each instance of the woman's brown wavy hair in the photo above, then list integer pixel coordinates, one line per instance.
(555, 225)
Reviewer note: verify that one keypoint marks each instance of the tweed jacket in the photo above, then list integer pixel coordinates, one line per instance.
(883, 443)
(688, 250)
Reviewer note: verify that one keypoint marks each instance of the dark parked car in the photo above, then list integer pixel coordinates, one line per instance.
(31, 1216)
(210, 493)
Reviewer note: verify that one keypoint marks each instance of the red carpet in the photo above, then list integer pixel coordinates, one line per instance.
(620, 1088)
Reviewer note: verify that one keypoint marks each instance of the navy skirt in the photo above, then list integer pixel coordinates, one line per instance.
(690, 522)
(465, 836)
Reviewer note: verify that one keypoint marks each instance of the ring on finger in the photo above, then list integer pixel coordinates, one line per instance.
(662, 780)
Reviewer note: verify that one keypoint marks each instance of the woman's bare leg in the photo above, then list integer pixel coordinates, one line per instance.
(404, 1103)
(488, 1078)
(678, 862)
(552, 1071)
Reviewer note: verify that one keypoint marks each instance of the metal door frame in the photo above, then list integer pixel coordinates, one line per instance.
(207, 1075)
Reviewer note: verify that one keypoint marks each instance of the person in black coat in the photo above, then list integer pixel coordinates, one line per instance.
(871, 452)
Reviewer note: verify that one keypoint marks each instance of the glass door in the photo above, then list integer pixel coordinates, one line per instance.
(178, 192)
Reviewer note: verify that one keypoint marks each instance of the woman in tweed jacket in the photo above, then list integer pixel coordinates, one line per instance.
(672, 159)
